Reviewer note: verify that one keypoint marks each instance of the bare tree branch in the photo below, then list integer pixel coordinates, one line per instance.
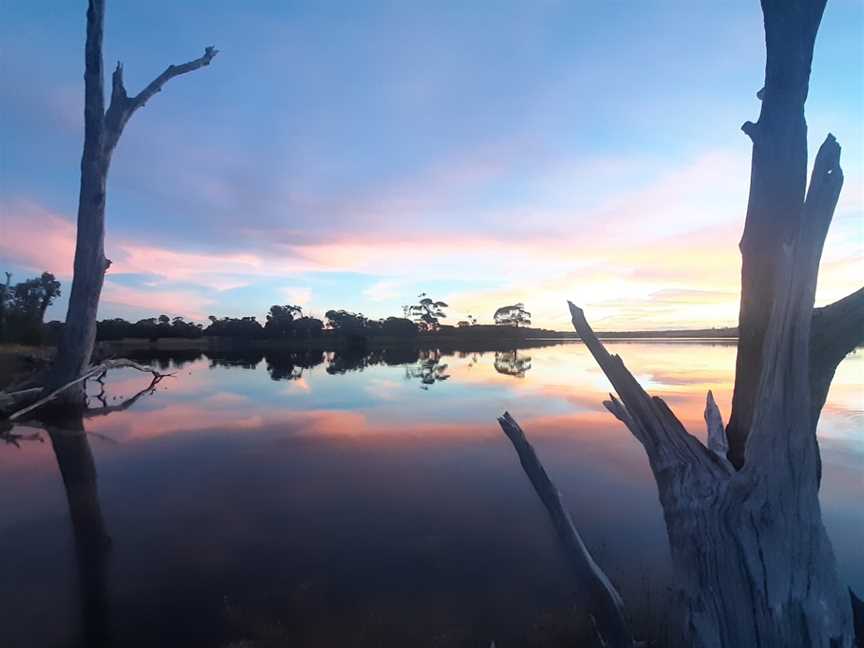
(122, 106)
(606, 606)
(650, 420)
(102, 130)
(835, 331)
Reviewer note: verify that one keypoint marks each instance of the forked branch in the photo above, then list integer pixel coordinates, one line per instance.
(650, 420)
(122, 106)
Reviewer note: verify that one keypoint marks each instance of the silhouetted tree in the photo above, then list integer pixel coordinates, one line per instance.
(428, 313)
(513, 315)
(235, 327)
(280, 320)
(5, 303)
(398, 327)
(346, 322)
(23, 306)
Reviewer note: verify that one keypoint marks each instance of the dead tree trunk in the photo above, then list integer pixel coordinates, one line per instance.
(102, 130)
(754, 563)
(778, 179)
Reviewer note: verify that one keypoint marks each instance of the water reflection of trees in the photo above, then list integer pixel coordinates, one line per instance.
(290, 365)
(428, 370)
(424, 365)
(511, 363)
(241, 360)
(165, 359)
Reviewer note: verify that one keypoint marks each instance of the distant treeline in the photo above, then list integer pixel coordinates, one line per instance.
(23, 306)
(283, 322)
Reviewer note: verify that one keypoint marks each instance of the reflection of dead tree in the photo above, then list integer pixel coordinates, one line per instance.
(754, 563)
(92, 542)
(78, 471)
(15, 438)
(106, 409)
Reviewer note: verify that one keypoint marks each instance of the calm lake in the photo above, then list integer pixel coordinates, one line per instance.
(324, 499)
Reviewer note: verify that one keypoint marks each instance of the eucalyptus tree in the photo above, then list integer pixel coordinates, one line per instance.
(427, 312)
(512, 315)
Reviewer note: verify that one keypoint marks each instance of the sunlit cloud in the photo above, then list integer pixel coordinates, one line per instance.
(175, 302)
(663, 254)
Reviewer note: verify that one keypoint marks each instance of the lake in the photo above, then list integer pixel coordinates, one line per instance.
(322, 499)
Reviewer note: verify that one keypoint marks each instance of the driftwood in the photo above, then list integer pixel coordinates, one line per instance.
(102, 131)
(98, 370)
(606, 606)
(754, 564)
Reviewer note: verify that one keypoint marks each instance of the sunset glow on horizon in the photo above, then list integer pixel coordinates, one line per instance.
(346, 156)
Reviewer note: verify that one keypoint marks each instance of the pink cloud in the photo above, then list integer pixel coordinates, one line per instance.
(176, 302)
(33, 237)
(622, 256)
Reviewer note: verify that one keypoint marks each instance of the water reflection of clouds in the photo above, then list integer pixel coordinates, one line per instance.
(288, 472)
(561, 380)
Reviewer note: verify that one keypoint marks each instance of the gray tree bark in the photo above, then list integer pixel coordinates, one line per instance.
(102, 131)
(777, 192)
(754, 563)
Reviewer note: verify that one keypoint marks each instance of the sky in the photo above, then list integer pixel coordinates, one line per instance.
(354, 154)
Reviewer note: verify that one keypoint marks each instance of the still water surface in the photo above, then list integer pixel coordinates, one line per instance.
(320, 500)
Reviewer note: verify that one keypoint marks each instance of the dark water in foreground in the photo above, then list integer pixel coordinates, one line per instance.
(273, 502)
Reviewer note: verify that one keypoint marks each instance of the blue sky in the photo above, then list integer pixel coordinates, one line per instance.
(351, 155)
